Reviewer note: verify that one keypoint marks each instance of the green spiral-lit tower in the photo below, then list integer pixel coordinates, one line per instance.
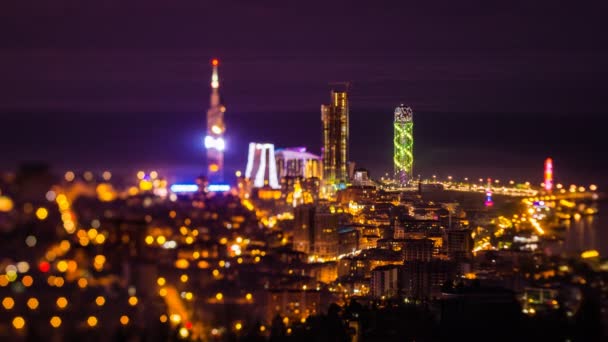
(404, 144)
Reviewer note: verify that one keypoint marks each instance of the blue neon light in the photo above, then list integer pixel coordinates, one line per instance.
(184, 188)
(218, 187)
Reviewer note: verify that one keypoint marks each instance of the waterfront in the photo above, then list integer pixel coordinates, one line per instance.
(588, 232)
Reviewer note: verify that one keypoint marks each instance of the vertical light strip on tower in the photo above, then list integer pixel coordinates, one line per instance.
(259, 176)
(250, 158)
(404, 144)
(548, 174)
(273, 180)
(214, 140)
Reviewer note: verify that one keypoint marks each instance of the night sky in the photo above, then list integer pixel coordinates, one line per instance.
(124, 85)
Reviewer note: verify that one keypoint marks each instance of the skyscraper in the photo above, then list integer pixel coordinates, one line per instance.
(404, 144)
(335, 137)
(214, 140)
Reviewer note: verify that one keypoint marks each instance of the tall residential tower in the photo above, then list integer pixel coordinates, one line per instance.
(335, 137)
(404, 144)
(214, 140)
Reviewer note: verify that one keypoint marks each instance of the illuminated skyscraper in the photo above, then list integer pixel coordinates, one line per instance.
(335, 137)
(214, 140)
(404, 144)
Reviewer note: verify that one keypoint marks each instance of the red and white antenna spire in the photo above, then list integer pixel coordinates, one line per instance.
(214, 140)
(548, 185)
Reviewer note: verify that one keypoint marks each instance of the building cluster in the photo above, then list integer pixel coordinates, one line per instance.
(300, 241)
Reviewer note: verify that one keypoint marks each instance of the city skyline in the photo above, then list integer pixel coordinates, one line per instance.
(303, 171)
(538, 72)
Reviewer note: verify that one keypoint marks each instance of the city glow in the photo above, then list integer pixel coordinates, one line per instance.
(42, 213)
(92, 321)
(8, 303)
(6, 204)
(55, 321)
(18, 322)
(69, 176)
(145, 185)
(175, 318)
(590, 254)
(32, 303)
(27, 281)
(344, 242)
(62, 302)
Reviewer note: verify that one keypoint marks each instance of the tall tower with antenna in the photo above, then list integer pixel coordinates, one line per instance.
(548, 183)
(489, 202)
(403, 140)
(214, 140)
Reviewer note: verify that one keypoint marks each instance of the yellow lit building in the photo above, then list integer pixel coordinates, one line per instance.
(297, 162)
(335, 137)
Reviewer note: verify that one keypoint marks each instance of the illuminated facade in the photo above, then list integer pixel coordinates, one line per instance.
(404, 144)
(548, 175)
(335, 137)
(296, 162)
(214, 140)
(261, 166)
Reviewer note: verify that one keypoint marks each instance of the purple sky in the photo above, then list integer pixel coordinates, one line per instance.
(144, 66)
